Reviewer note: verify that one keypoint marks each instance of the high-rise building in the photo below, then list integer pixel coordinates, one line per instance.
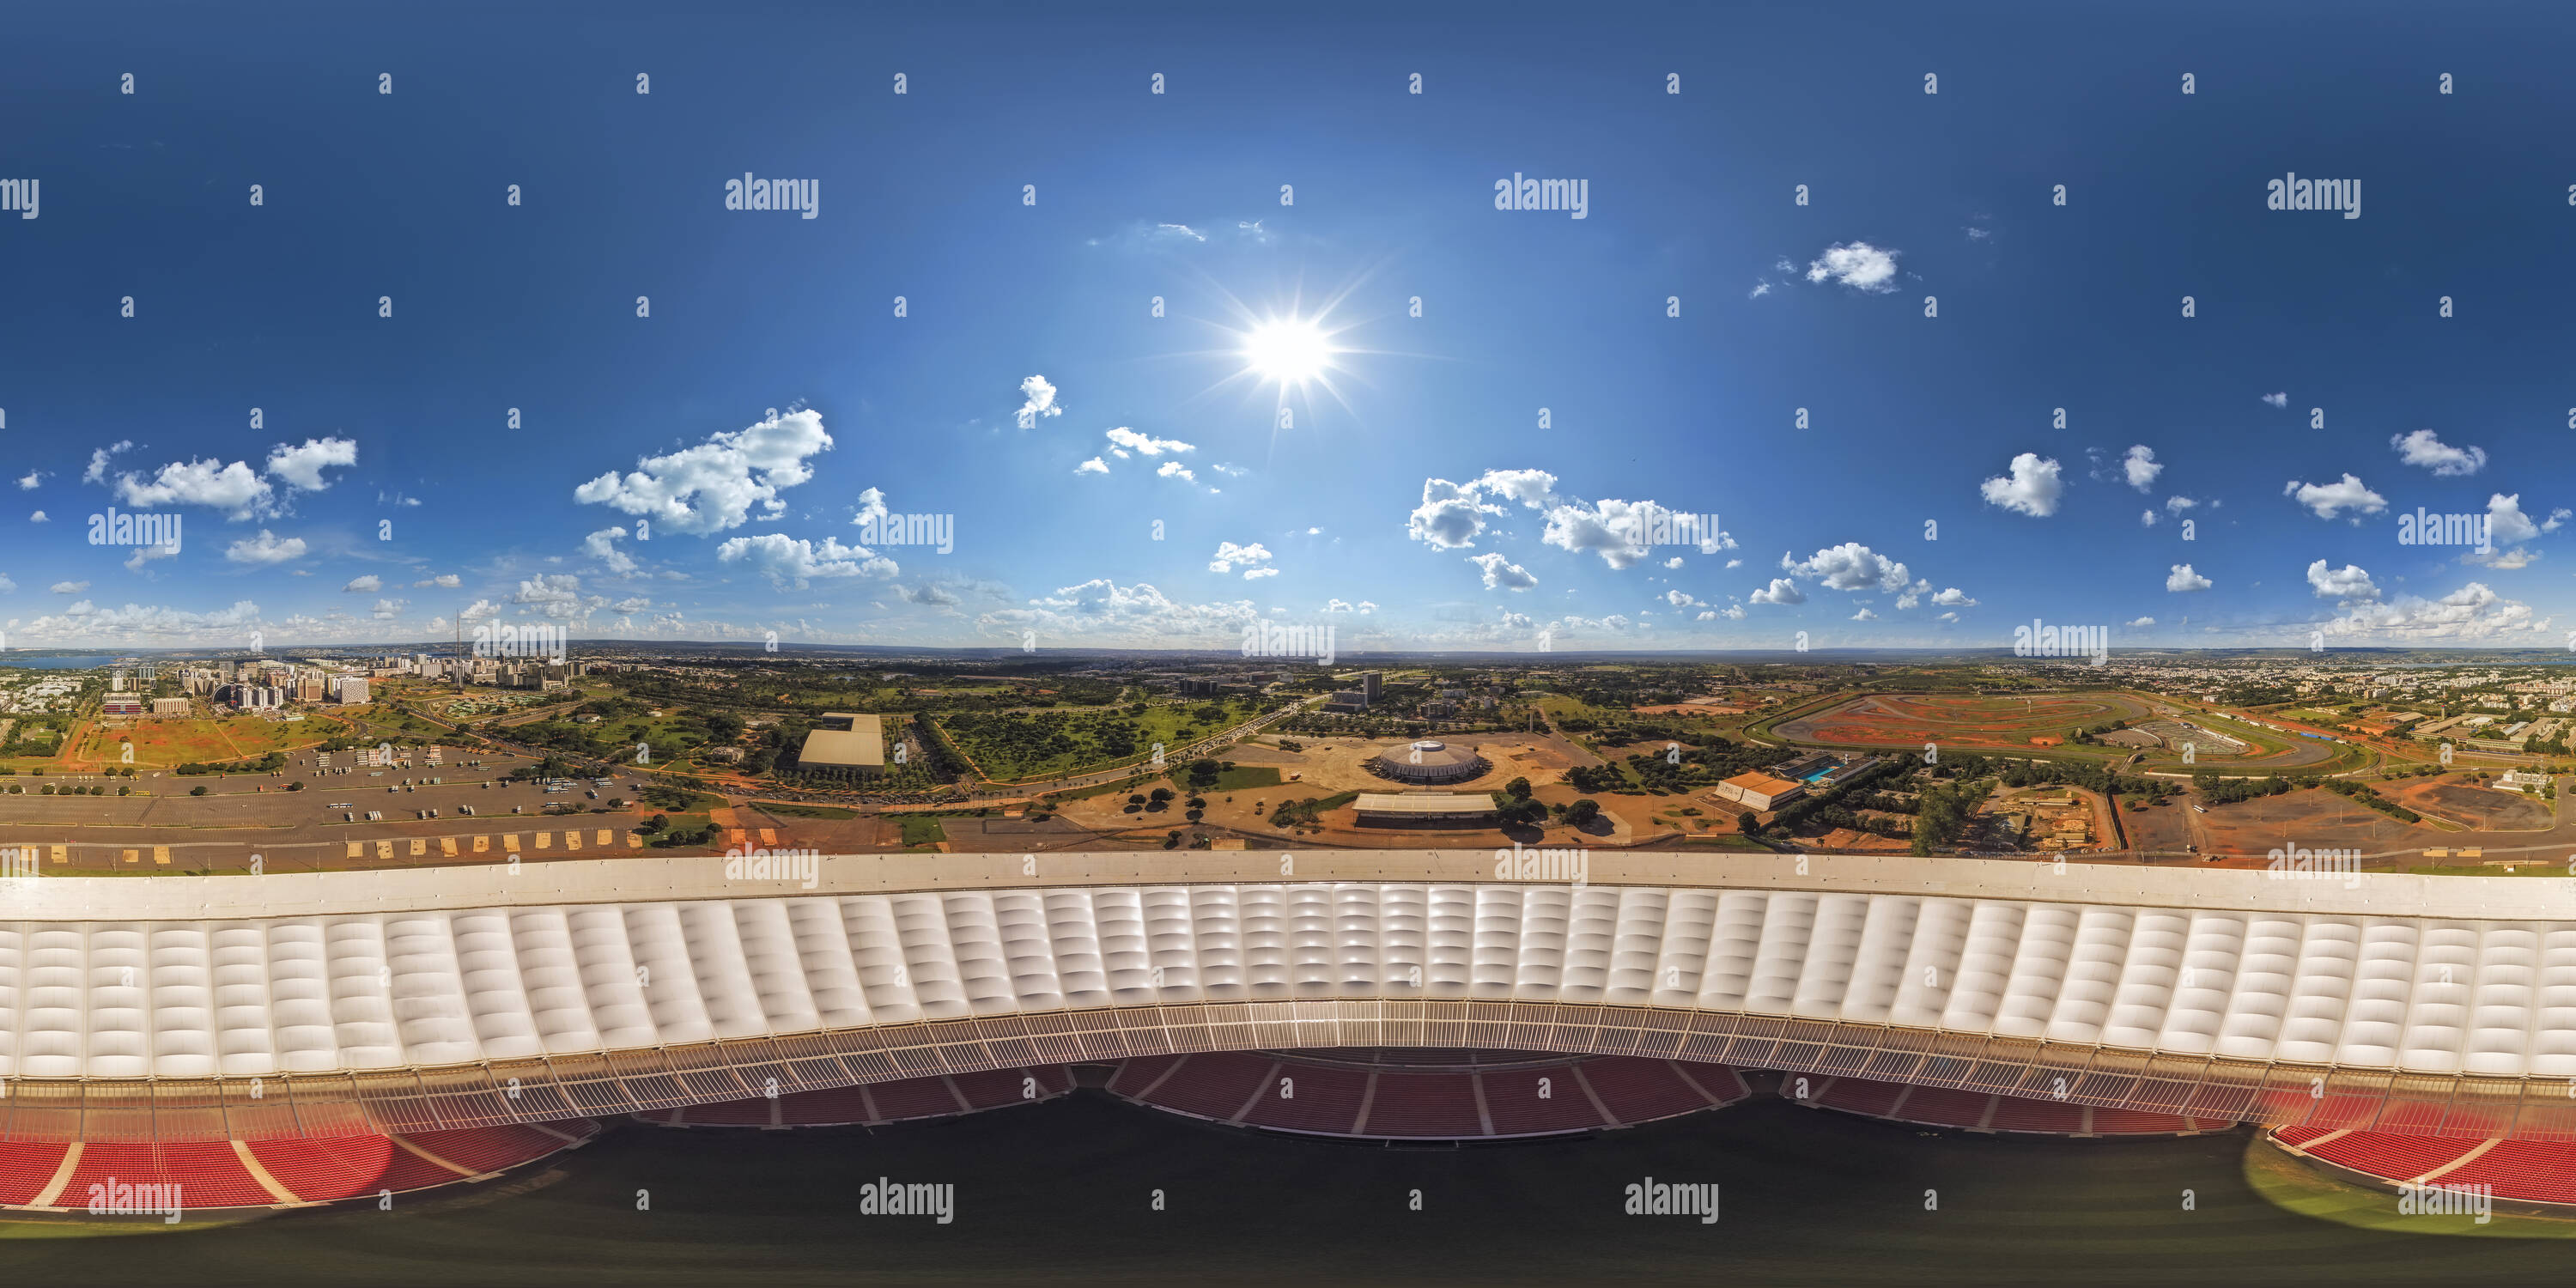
(1368, 686)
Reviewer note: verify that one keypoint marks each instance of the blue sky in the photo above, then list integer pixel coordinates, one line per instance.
(1414, 496)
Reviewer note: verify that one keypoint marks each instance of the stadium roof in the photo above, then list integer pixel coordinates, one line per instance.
(351, 991)
(1763, 783)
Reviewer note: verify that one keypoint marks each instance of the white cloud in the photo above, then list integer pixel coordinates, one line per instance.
(148, 554)
(2507, 522)
(2147, 518)
(1674, 562)
(69, 587)
(1781, 591)
(1734, 563)
(2349, 585)
(558, 596)
(266, 548)
(2556, 518)
(1759, 290)
(1864, 615)
(711, 487)
(1732, 612)
(872, 505)
(1532, 488)
(1363, 608)
(37, 517)
(2135, 623)
(1174, 469)
(1229, 556)
(1953, 597)
(235, 489)
(97, 471)
(28, 483)
(2141, 467)
(2178, 504)
(1681, 599)
(2032, 488)
(1450, 516)
(1146, 444)
(1851, 566)
(2507, 560)
(388, 609)
(2277, 400)
(1040, 398)
(368, 584)
(444, 581)
(1093, 466)
(302, 467)
(2427, 450)
(602, 546)
(2328, 499)
(2471, 612)
(790, 563)
(1502, 573)
(1102, 609)
(1858, 265)
(2183, 580)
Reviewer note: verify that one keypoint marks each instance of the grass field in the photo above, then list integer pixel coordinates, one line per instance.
(166, 744)
(1021, 745)
(1245, 778)
(920, 829)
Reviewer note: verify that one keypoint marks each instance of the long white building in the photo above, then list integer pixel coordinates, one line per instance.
(450, 997)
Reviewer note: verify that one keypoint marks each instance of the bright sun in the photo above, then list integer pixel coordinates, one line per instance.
(1288, 351)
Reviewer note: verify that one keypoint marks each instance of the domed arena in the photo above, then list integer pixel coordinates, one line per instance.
(1429, 762)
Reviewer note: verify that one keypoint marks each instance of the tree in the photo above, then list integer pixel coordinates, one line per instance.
(1583, 811)
(198, 790)
(1748, 823)
(1519, 788)
(654, 824)
(295, 787)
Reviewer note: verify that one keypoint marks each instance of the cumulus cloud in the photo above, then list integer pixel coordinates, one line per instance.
(1452, 515)
(368, 584)
(1850, 566)
(2326, 500)
(2147, 518)
(148, 554)
(2141, 467)
(1176, 470)
(2032, 488)
(1362, 608)
(1251, 559)
(2183, 580)
(69, 587)
(444, 581)
(2506, 520)
(713, 486)
(98, 459)
(1858, 265)
(1093, 466)
(556, 595)
(236, 489)
(1864, 615)
(1674, 562)
(2178, 504)
(2135, 623)
(2349, 585)
(1954, 597)
(1103, 609)
(2276, 400)
(388, 609)
(1124, 440)
(2425, 449)
(1039, 399)
(792, 563)
(1501, 573)
(1732, 612)
(872, 505)
(2510, 559)
(2471, 612)
(28, 483)
(1681, 599)
(602, 546)
(302, 466)
(266, 548)
(1781, 591)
